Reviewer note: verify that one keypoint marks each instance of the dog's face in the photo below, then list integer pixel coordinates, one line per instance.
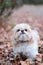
(23, 33)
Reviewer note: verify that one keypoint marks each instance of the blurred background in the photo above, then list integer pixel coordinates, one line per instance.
(17, 11)
(8, 5)
(13, 12)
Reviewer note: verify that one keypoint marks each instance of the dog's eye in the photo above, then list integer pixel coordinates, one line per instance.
(25, 29)
(18, 30)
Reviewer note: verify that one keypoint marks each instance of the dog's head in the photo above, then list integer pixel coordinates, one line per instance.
(23, 33)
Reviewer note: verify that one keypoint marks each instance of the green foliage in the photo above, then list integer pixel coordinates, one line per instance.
(38, 1)
(7, 3)
(33, 1)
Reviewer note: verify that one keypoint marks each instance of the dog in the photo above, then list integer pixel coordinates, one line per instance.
(25, 40)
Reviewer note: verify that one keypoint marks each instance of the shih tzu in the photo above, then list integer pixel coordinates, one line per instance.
(25, 40)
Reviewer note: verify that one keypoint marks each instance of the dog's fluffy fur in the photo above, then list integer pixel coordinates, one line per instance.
(25, 40)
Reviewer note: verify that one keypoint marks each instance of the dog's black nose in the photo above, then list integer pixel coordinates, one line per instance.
(22, 31)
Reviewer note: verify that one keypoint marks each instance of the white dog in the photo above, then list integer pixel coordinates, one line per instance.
(25, 40)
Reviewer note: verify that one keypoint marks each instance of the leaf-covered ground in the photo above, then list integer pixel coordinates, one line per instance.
(6, 52)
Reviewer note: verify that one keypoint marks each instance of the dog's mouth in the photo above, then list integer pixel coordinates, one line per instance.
(23, 38)
(22, 41)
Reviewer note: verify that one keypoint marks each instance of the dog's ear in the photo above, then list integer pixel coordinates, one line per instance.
(12, 37)
(35, 35)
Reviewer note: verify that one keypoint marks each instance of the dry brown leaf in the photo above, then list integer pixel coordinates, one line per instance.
(40, 63)
(39, 57)
(15, 63)
(1, 40)
(23, 63)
